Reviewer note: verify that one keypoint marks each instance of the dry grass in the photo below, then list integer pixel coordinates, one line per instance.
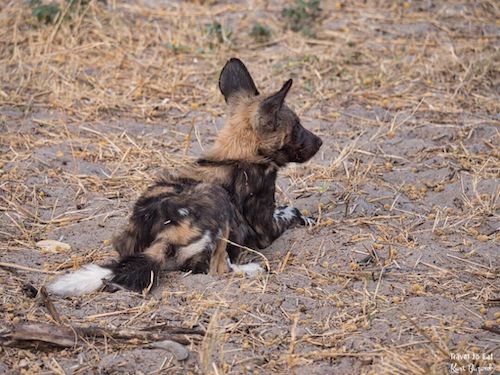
(400, 273)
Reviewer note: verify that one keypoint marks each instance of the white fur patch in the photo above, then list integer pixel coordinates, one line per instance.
(189, 251)
(249, 269)
(285, 213)
(86, 280)
(183, 211)
(308, 220)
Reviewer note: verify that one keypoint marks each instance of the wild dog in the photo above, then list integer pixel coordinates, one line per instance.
(190, 219)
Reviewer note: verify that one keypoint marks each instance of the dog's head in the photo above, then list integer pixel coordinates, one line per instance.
(261, 127)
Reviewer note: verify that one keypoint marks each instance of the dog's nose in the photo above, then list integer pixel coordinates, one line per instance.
(319, 142)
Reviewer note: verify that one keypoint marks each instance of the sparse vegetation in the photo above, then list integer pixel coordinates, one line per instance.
(215, 31)
(44, 13)
(47, 12)
(177, 48)
(260, 32)
(399, 274)
(302, 16)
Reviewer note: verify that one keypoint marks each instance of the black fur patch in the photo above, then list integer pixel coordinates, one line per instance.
(135, 272)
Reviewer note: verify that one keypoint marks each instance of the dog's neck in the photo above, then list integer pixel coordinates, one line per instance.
(228, 146)
(237, 140)
(247, 178)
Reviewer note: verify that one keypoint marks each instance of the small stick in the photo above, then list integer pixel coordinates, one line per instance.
(378, 285)
(112, 313)
(174, 330)
(250, 250)
(125, 333)
(24, 268)
(68, 336)
(435, 267)
(468, 261)
(49, 304)
(285, 261)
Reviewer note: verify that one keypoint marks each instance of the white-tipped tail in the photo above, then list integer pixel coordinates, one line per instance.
(86, 280)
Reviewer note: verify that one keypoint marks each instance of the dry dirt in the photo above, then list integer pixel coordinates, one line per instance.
(400, 275)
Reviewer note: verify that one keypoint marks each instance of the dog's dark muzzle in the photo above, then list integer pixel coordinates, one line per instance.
(307, 146)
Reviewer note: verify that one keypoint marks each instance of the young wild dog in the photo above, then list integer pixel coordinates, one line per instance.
(184, 220)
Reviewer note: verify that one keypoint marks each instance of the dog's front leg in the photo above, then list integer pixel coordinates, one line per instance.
(286, 216)
(271, 223)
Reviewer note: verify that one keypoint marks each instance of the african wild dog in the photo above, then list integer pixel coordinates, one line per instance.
(183, 221)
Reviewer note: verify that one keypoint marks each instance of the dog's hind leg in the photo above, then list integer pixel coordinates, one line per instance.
(219, 260)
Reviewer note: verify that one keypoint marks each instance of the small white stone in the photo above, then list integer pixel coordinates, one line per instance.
(53, 246)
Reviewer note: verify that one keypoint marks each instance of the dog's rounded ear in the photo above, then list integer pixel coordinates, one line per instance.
(236, 78)
(272, 104)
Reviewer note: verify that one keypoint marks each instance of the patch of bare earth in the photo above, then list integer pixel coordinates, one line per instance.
(400, 274)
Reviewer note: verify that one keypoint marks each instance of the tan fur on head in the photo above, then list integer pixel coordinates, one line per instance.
(238, 140)
(242, 137)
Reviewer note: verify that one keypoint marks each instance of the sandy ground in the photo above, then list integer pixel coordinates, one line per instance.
(399, 275)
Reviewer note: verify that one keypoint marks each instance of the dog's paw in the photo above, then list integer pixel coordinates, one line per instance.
(286, 214)
(249, 269)
(307, 221)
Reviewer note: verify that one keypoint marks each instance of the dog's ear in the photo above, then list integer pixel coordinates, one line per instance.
(272, 105)
(236, 78)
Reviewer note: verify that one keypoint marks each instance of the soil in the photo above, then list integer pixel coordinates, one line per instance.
(399, 275)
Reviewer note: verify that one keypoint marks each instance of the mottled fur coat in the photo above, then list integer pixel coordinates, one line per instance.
(184, 221)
